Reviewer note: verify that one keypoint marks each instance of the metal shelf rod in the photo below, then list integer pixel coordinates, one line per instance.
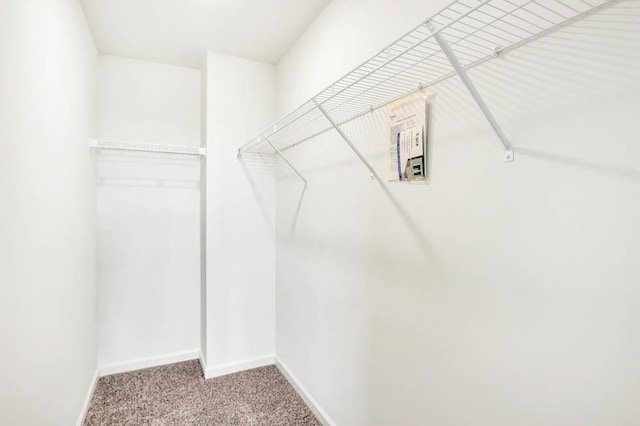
(158, 149)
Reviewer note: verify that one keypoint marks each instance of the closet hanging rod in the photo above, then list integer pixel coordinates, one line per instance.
(147, 147)
(474, 31)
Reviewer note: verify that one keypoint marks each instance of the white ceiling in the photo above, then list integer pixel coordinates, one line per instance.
(180, 31)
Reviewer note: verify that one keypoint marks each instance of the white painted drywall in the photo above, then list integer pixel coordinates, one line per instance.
(148, 213)
(148, 102)
(499, 294)
(240, 214)
(47, 212)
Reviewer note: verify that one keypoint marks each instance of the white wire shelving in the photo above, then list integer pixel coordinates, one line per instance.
(147, 147)
(459, 37)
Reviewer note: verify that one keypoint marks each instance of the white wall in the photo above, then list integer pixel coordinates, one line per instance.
(148, 213)
(47, 212)
(240, 215)
(148, 102)
(499, 294)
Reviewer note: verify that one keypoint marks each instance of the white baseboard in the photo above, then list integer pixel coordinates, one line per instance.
(313, 405)
(87, 399)
(155, 361)
(234, 367)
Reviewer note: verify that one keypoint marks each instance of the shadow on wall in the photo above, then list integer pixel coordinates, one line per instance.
(492, 338)
(146, 169)
(260, 172)
(587, 165)
(259, 168)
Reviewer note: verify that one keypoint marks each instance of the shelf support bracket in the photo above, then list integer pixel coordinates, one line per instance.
(335, 125)
(285, 160)
(455, 63)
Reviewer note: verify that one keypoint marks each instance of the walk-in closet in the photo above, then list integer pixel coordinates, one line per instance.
(319, 212)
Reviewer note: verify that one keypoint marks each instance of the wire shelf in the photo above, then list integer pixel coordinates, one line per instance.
(475, 31)
(147, 147)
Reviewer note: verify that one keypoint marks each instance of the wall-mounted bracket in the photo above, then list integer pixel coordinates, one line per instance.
(285, 160)
(459, 69)
(373, 175)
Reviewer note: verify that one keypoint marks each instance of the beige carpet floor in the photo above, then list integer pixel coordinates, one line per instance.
(178, 394)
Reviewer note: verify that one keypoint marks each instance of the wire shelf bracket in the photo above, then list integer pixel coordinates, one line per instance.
(335, 125)
(459, 37)
(457, 66)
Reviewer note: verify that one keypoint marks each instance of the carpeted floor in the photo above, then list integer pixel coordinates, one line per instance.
(177, 394)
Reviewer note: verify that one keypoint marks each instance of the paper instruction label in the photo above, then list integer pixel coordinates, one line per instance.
(408, 121)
